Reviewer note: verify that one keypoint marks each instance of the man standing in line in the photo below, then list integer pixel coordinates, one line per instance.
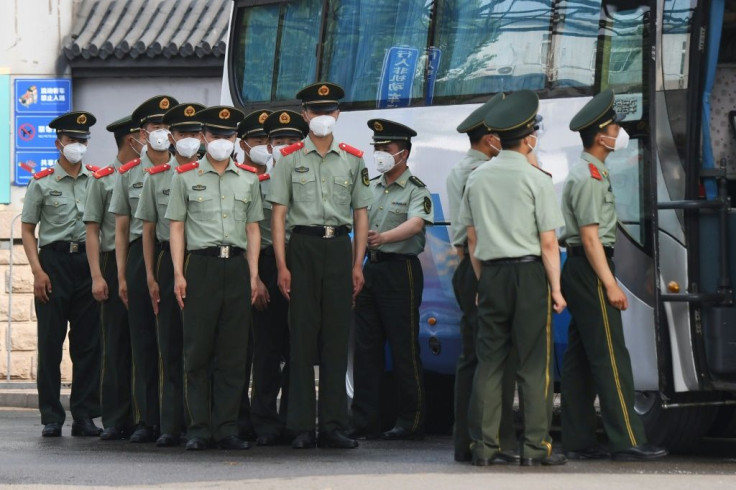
(319, 182)
(185, 134)
(132, 284)
(62, 284)
(596, 360)
(511, 213)
(115, 390)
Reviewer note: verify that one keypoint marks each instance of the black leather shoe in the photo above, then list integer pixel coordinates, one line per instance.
(52, 429)
(642, 452)
(267, 440)
(463, 456)
(335, 439)
(402, 434)
(143, 434)
(354, 433)
(592, 452)
(113, 434)
(303, 440)
(247, 435)
(551, 460)
(85, 428)
(233, 442)
(496, 459)
(511, 456)
(196, 444)
(168, 440)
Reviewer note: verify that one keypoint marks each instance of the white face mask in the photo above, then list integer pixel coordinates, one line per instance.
(621, 141)
(384, 160)
(259, 154)
(533, 148)
(187, 147)
(322, 125)
(159, 139)
(74, 152)
(220, 149)
(498, 150)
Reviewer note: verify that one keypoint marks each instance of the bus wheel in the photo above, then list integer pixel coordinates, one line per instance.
(725, 422)
(677, 429)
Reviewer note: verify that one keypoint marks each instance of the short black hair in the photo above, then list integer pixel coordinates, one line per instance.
(476, 134)
(404, 145)
(508, 144)
(120, 139)
(588, 137)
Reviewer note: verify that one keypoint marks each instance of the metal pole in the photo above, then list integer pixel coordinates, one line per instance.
(8, 334)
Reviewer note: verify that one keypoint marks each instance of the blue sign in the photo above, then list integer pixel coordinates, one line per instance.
(34, 133)
(433, 65)
(397, 77)
(28, 163)
(43, 95)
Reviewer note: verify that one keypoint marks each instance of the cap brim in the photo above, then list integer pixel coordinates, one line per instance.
(322, 106)
(82, 135)
(220, 131)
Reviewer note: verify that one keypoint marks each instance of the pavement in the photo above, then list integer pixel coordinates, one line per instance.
(22, 394)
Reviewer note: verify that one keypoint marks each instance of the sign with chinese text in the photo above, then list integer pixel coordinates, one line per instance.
(397, 77)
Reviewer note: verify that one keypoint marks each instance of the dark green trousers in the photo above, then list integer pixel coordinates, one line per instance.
(514, 312)
(319, 324)
(115, 390)
(388, 309)
(245, 421)
(465, 286)
(70, 302)
(271, 354)
(169, 330)
(144, 346)
(596, 362)
(216, 319)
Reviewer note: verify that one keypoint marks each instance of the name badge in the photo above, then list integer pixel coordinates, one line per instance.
(166, 192)
(301, 170)
(137, 185)
(199, 187)
(55, 193)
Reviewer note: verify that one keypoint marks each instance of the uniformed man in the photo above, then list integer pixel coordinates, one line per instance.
(214, 209)
(115, 390)
(270, 313)
(62, 284)
(484, 145)
(511, 213)
(320, 183)
(184, 134)
(132, 286)
(388, 306)
(597, 360)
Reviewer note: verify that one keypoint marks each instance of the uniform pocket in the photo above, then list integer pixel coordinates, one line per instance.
(57, 209)
(304, 186)
(240, 207)
(162, 202)
(395, 217)
(202, 207)
(341, 190)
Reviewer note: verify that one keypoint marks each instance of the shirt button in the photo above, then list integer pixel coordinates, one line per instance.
(227, 235)
(386, 191)
(381, 207)
(323, 180)
(77, 201)
(199, 199)
(224, 216)
(346, 182)
(223, 197)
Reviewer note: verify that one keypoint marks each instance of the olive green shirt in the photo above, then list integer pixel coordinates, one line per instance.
(588, 200)
(99, 195)
(215, 208)
(56, 202)
(265, 223)
(456, 181)
(320, 191)
(392, 205)
(509, 202)
(154, 200)
(127, 193)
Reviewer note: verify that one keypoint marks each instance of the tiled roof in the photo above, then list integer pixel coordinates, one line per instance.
(156, 29)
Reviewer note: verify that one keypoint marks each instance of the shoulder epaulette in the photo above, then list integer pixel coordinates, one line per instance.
(542, 170)
(158, 169)
(103, 172)
(415, 180)
(263, 177)
(247, 168)
(43, 173)
(292, 148)
(187, 167)
(129, 165)
(594, 172)
(92, 168)
(350, 149)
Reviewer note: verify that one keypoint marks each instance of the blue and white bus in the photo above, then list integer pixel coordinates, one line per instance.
(429, 63)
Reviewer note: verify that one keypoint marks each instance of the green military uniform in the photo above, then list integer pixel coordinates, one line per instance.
(320, 193)
(152, 205)
(55, 201)
(465, 286)
(215, 209)
(115, 386)
(596, 361)
(387, 307)
(125, 198)
(514, 304)
(271, 326)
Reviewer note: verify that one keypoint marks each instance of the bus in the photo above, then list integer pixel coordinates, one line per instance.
(429, 63)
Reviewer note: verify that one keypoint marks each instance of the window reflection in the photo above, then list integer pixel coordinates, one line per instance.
(625, 173)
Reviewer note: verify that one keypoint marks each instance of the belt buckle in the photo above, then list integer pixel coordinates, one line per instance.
(373, 255)
(73, 247)
(224, 252)
(329, 232)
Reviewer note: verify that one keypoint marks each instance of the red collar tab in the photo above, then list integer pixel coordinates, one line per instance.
(92, 168)
(292, 148)
(263, 177)
(129, 165)
(594, 172)
(158, 169)
(246, 167)
(350, 149)
(187, 167)
(110, 169)
(43, 173)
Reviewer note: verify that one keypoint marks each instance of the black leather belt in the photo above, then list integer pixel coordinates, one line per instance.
(321, 231)
(220, 251)
(378, 256)
(514, 260)
(164, 246)
(268, 251)
(579, 251)
(66, 247)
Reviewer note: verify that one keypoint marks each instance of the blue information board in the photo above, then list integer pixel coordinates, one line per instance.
(397, 77)
(37, 103)
(433, 66)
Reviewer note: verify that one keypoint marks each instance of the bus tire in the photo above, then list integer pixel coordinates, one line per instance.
(677, 429)
(724, 425)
